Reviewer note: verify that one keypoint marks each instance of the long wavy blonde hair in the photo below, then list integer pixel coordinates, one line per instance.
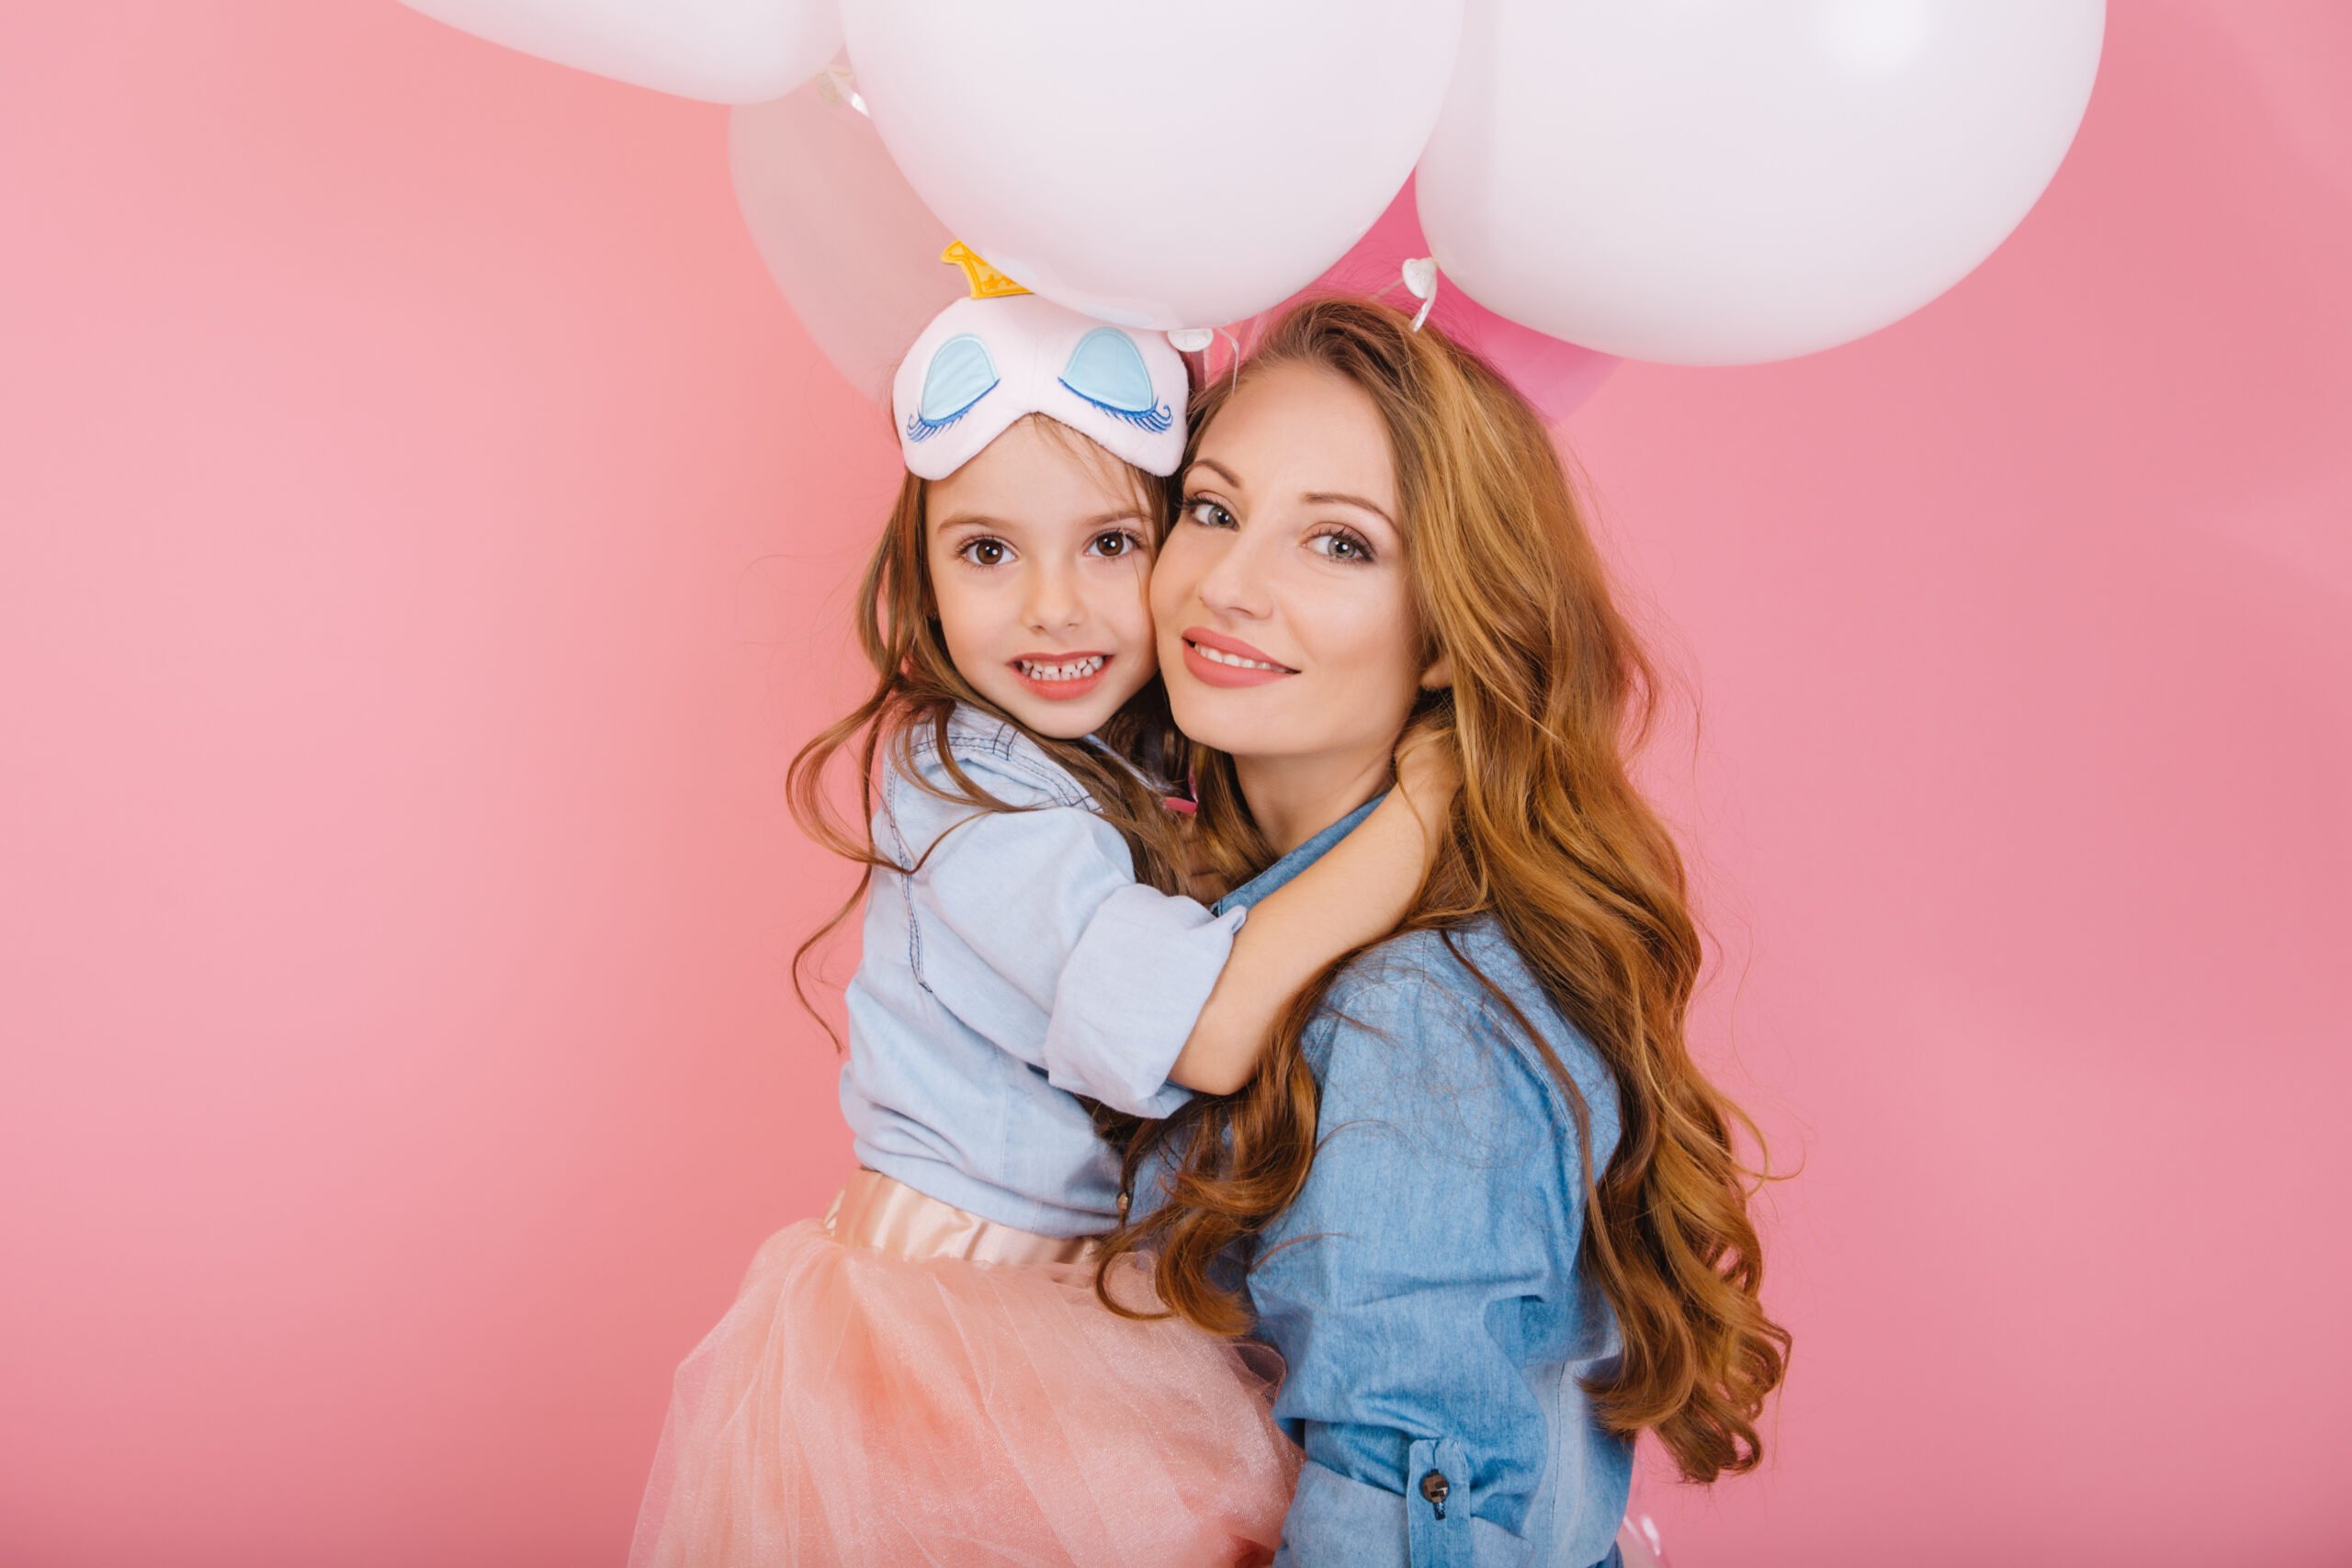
(1550, 692)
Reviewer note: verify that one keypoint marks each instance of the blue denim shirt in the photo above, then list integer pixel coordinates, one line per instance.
(1423, 1289)
(1016, 965)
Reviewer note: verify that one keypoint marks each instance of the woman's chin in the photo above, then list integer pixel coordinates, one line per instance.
(1212, 718)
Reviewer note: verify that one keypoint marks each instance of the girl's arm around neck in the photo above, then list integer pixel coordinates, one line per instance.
(1356, 894)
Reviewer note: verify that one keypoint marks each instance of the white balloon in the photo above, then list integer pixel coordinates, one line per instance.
(1156, 165)
(729, 52)
(856, 253)
(1720, 182)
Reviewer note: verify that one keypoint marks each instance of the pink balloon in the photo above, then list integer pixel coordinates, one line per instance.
(1556, 376)
(853, 249)
(1638, 1544)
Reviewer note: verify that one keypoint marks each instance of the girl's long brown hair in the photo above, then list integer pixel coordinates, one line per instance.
(917, 688)
(1551, 691)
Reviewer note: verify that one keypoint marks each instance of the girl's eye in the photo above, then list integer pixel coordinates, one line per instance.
(984, 552)
(1208, 513)
(1339, 544)
(1116, 544)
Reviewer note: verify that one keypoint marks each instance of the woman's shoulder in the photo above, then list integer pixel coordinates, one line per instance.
(1454, 1025)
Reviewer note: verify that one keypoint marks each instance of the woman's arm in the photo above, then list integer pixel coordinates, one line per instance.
(1416, 1292)
(1355, 893)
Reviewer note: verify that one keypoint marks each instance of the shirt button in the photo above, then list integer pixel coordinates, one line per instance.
(1434, 1487)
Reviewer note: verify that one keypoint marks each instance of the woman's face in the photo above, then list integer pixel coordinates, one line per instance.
(1282, 598)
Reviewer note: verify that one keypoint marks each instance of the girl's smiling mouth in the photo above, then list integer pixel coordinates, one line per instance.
(1059, 677)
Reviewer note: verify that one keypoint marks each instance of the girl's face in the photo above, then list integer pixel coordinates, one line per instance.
(1039, 551)
(1286, 624)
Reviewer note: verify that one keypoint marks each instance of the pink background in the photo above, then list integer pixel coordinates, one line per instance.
(424, 537)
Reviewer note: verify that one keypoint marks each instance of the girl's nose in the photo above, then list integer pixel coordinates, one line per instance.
(1052, 602)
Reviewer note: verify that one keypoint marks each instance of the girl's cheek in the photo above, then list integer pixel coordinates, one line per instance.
(1132, 588)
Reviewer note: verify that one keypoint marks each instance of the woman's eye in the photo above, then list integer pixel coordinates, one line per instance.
(1208, 513)
(1340, 545)
(985, 552)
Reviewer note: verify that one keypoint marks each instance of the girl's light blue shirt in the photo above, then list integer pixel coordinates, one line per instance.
(1016, 966)
(1423, 1289)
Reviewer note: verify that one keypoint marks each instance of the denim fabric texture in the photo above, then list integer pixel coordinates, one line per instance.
(1423, 1289)
(1015, 964)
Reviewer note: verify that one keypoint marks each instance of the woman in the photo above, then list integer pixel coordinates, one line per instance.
(1480, 1198)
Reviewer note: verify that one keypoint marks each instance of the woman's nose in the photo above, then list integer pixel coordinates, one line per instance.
(1238, 581)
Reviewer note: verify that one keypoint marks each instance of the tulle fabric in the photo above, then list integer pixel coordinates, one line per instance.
(917, 1386)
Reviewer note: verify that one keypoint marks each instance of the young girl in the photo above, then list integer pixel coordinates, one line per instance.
(926, 1375)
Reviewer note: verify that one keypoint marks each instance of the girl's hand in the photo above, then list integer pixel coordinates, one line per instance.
(1427, 764)
(1428, 773)
(1201, 883)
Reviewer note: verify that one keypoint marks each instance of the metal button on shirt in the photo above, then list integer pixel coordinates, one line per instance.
(1434, 1487)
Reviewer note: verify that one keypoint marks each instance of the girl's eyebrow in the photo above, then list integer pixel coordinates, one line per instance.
(971, 520)
(999, 526)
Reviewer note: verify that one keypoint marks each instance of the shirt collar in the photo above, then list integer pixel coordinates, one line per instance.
(1298, 860)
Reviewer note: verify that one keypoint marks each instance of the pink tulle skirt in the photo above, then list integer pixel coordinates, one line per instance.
(904, 1382)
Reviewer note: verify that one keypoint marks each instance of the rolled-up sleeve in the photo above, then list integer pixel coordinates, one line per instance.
(1394, 1286)
(1336, 1520)
(1111, 973)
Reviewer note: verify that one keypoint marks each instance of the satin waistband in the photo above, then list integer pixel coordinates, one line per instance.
(880, 1212)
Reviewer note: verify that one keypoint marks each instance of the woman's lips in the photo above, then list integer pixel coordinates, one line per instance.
(1217, 660)
(1061, 677)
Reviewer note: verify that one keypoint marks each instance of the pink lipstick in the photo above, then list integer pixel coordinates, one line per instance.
(1217, 661)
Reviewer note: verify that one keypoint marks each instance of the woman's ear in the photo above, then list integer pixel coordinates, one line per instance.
(1438, 677)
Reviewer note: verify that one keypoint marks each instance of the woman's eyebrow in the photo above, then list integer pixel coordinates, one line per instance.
(1227, 475)
(1337, 498)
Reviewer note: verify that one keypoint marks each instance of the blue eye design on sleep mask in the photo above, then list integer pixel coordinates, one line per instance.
(960, 375)
(1107, 370)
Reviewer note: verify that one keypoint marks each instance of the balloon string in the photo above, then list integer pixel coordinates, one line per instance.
(837, 85)
(1196, 340)
(1420, 279)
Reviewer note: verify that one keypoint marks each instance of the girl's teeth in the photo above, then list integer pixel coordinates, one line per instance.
(1077, 670)
(1218, 656)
